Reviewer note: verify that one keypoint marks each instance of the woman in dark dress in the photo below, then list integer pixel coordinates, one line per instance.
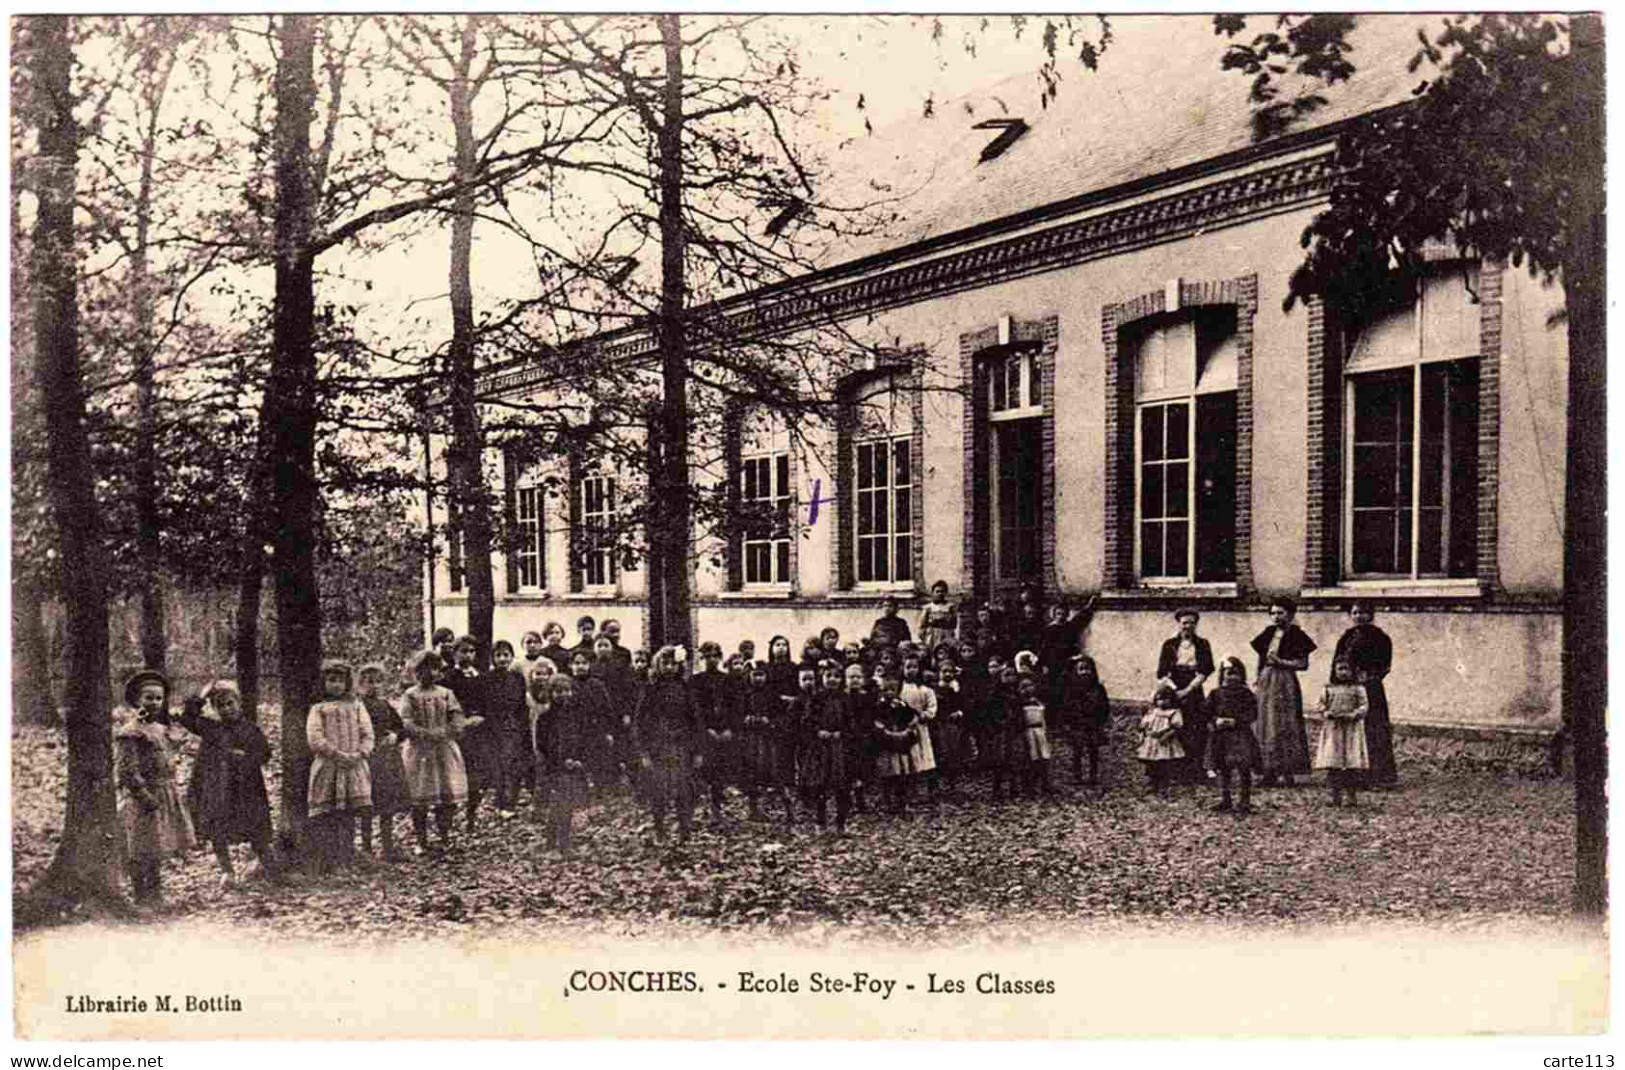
(1185, 663)
(1283, 652)
(1370, 653)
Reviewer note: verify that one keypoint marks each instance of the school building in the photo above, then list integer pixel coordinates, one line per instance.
(1141, 417)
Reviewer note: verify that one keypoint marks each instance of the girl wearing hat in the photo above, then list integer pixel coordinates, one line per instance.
(339, 731)
(156, 825)
(1184, 665)
(1283, 652)
(226, 795)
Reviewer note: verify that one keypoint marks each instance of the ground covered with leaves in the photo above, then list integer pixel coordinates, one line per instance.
(1456, 846)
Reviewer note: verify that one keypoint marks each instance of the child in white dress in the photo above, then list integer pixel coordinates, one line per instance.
(1160, 746)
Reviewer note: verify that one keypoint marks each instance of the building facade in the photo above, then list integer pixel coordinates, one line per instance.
(1135, 415)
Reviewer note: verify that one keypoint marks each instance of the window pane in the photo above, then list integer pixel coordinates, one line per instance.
(1179, 487)
(903, 554)
(878, 452)
(1012, 380)
(1430, 548)
(866, 568)
(866, 516)
(864, 476)
(1151, 549)
(783, 473)
(901, 514)
(749, 491)
(1375, 476)
(877, 505)
(1179, 431)
(1402, 541)
(1378, 402)
(1463, 467)
(881, 571)
(1177, 562)
(1374, 541)
(782, 552)
(1215, 536)
(1151, 492)
(1035, 383)
(900, 463)
(1151, 432)
(996, 400)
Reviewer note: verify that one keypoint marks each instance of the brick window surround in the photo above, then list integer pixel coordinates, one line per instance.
(843, 551)
(1323, 519)
(979, 350)
(733, 426)
(1179, 295)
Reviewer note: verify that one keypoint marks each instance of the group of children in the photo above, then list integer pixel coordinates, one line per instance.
(890, 712)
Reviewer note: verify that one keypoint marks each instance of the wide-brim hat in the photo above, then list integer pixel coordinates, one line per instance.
(133, 686)
(1186, 611)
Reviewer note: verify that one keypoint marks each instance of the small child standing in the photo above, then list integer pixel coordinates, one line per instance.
(948, 740)
(156, 825)
(1088, 716)
(923, 701)
(226, 795)
(759, 727)
(432, 720)
(506, 708)
(897, 730)
(339, 732)
(1232, 709)
(1035, 733)
(825, 765)
(1160, 747)
(389, 794)
(571, 740)
(478, 742)
(1342, 751)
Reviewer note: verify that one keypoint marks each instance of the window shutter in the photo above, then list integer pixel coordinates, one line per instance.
(510, 516)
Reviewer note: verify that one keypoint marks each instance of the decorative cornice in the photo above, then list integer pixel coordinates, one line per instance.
(1223, 203)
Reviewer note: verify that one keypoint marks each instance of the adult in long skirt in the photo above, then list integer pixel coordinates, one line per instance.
(1184, 664)
(1370, 653)
(1283, 652)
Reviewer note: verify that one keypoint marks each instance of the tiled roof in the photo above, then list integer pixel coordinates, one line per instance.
(1159, 101)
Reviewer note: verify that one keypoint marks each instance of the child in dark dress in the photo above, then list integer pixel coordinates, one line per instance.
(510, 720)
(389, 792)
(825, 747)
(226, 795)
(1087, 717)
(570, 744)
(478, 742)
(1232, 749)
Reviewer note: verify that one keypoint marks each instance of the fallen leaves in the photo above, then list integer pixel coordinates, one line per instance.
(1455, 848)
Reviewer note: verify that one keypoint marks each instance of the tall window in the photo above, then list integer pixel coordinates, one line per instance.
(1411, 434)
(1185, 450)
(595, 542)
(884, 482)
(1015, 405)
(764, 495)
(528, 555)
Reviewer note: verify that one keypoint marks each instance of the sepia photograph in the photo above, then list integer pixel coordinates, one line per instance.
(746, 526)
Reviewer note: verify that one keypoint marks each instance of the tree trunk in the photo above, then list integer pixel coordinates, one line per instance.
(88, 862)
(293, 436)
(32, 701)
(671, 483)
(467, 447)
(154, 638)
(1585, 561)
